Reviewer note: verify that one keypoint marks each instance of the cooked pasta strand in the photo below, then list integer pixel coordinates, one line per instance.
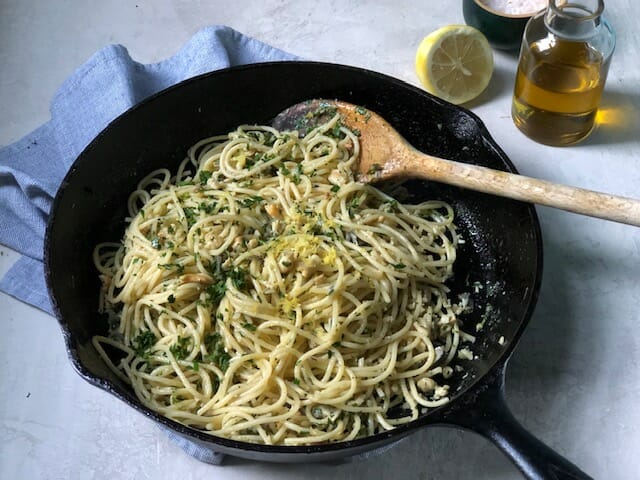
(264, 295)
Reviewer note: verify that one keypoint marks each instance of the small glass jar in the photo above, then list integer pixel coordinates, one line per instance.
(564, 59)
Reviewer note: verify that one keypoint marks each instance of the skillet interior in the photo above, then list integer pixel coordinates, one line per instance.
(502, 253)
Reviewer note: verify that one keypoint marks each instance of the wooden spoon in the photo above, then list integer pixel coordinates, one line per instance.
(386, 155)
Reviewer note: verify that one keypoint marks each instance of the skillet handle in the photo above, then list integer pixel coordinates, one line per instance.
(489, 416)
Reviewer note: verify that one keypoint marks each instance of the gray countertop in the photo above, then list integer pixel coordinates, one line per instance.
(573, 380)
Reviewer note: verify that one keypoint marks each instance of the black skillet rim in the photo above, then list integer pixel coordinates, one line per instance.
(464, 397)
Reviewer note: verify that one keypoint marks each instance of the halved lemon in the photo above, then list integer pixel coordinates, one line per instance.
(455, 63)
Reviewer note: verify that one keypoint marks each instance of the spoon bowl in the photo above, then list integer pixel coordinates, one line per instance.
(386, 155)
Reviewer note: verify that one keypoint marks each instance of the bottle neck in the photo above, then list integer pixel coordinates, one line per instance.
(574, 19)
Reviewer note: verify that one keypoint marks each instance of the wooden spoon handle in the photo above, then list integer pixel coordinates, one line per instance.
(527, 189)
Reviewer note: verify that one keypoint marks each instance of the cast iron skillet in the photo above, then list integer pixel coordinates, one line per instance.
(503, 249)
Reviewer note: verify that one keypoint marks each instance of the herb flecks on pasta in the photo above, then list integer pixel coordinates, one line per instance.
(262, 294)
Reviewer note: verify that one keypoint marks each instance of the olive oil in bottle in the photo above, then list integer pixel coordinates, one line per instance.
(562, 70)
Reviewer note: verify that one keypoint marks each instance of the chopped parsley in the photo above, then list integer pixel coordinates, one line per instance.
(398, 266)
(180, 349)
(170, 266)
(249, 326)
(307, 122)
(336, 131)
(284, 170)
(251, 201)
(143, 343)
(171, 299)
(353, 205)
(364, 112)
(391, 206)
(376, 167)
(335, 188)
(295, 178)
(207, 207)
(191, 215)
(325, 108)
(251, 161)
(238, 277)
(155, 243)
(204, 176)
(215, 292)
(269, 139)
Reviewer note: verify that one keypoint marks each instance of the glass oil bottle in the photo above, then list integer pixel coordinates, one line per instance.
(564, 60)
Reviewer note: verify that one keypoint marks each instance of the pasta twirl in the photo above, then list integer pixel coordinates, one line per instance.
(262, 294)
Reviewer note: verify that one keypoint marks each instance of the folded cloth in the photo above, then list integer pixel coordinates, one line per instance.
(108, 84)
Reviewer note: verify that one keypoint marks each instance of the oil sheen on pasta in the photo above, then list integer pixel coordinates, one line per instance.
(263, 295)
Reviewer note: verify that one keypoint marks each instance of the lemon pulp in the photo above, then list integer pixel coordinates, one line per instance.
(455, 63)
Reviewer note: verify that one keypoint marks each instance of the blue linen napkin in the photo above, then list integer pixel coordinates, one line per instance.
(108, 84)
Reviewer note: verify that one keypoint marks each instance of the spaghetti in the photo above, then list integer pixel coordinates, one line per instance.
(263, 295)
